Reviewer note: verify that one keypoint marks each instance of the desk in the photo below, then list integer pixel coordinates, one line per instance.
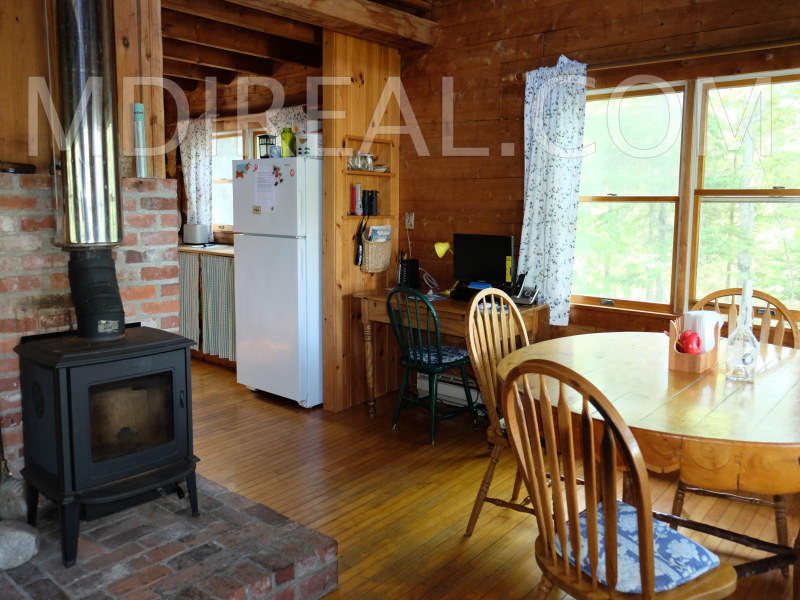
(719, 434)
(452, 321)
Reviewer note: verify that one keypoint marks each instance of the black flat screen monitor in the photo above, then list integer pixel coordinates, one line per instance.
(485, 258)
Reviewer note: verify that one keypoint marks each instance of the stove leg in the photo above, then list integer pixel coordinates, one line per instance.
(69, 515)
(191, 485)
(32, 503)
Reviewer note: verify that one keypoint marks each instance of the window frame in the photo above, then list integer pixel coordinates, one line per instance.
(640, 305)
(224, 134)
(685, 251)
(699, 192)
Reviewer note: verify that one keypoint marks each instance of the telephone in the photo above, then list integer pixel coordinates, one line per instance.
(522, 294)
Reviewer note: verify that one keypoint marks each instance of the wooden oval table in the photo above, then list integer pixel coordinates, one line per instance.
(720, 435)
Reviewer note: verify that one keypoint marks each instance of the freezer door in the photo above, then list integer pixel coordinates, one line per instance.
(272, 346)
(267, 198)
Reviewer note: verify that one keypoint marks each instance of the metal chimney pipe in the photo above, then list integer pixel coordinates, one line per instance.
(87, 189)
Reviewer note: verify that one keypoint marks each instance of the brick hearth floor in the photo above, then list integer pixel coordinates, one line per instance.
(235, 550)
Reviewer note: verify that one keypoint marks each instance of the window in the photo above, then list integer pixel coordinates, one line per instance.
(747, 201)
(228, 147)
(630, 178)
(655, 230)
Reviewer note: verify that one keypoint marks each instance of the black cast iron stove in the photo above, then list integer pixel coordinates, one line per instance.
(108, 424)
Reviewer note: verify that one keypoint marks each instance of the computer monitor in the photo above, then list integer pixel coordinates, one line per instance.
(485, 258)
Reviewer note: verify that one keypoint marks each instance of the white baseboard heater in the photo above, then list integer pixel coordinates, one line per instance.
(451, 390)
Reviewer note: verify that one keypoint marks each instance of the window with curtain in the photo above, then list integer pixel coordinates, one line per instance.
(227, 147)
(630, 180)
(748, 196)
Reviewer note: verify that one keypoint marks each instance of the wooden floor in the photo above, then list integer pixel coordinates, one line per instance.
(397, 506)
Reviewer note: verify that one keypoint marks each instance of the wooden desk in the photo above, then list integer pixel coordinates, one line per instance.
(452, 321)
(719, 434)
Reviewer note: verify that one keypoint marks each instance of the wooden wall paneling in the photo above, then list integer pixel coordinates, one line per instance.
(22, 42)
(139, 54)
(487, 53)
(367, 65)
(153, 96)
(126, 25)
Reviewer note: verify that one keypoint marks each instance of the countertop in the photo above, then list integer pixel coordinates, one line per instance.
(216, 249)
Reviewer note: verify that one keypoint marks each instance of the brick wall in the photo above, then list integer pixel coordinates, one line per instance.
(34, 288)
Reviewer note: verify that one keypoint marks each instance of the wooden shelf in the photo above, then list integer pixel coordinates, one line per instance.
(367, 173)
(382, 216)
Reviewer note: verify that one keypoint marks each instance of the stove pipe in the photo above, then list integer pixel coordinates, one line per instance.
(87, 190)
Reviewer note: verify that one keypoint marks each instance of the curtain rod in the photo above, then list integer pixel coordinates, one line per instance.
(517, 76)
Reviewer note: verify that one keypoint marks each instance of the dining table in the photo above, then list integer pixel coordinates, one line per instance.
(722, 435)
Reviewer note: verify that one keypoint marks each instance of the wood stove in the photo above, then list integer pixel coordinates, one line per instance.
(107, 424)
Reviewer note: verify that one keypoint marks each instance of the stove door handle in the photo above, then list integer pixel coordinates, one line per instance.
(182, 399)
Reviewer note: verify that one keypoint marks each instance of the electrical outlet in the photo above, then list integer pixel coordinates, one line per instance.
(409, 220)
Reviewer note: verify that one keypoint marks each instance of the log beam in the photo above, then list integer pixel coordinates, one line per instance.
(187, 85)
(241, 16)
(358, 18)
(205, 32)
(185, 70)
(213, 57)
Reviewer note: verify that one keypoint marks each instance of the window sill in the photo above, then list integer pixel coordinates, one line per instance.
(618, 310)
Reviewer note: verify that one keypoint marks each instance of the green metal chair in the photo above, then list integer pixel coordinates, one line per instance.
(416, 327)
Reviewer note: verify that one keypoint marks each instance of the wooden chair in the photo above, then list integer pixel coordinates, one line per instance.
(494, 329)
(415, 323)
(613, 559)
(771, 319)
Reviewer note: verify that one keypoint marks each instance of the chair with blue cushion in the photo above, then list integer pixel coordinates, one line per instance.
(415, 323)
(560, 424)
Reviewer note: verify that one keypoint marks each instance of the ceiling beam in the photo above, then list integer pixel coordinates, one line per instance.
(423, 6)
(241, 16)
(218, 59)
(174, 68)
(187, 85)
(359, 18)
(205, 32)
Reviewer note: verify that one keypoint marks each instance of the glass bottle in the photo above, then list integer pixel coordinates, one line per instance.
(742, 344)
(288, 142)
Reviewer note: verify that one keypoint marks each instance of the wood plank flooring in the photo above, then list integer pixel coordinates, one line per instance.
(397, 506)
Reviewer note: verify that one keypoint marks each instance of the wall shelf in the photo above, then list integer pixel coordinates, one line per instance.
(367, 173)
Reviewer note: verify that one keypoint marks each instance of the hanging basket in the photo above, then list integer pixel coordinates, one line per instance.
(377, 256)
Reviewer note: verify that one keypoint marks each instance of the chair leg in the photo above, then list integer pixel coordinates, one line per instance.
(433, 387)
(468, 394)
(400, 396)
(780, 520)
(517, 485)
(796, 573)
(483, 490)
(780, 524)
(544, 587)
(677, 501)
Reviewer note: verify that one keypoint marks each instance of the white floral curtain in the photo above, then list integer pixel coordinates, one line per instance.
(290, 116)
(555, 100)
(196, 152)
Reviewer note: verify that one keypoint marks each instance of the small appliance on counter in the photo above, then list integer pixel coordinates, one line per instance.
(196, 233)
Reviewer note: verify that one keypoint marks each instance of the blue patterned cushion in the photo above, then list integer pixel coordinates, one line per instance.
(678, 559)
(427, 354)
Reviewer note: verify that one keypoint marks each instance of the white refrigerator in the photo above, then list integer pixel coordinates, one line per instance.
(277, 221)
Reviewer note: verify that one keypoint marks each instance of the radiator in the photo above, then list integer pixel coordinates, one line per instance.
(451, 390)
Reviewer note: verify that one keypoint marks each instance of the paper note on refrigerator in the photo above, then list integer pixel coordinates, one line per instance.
(265, 192)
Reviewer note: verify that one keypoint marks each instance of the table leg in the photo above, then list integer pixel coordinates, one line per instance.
(368, 358)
